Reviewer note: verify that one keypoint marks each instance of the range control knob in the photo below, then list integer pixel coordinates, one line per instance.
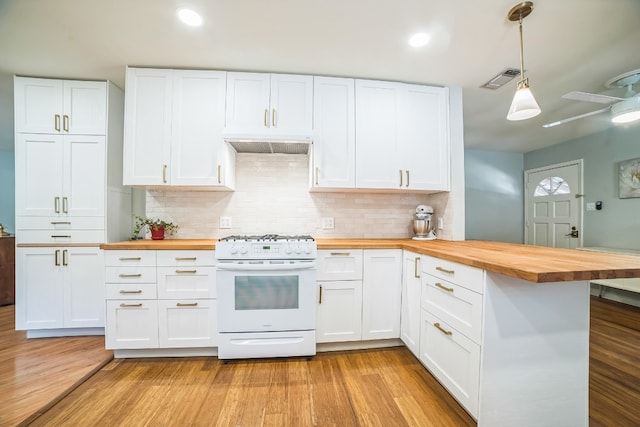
(287, 249)
(243, 249)
(233, 249)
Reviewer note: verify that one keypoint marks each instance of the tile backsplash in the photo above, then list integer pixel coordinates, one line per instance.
(272, 196)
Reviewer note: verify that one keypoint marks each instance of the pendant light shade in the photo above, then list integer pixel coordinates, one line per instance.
(524, 105)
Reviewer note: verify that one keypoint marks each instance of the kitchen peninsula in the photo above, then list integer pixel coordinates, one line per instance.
(504, 327)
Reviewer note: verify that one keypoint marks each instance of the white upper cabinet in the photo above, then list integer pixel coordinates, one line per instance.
(173, 128)
(273, 105)
(60, 106)
(402, 139)
(333, 158)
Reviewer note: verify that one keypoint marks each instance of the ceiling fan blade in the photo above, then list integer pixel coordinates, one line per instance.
(581, 116)
(591, 97)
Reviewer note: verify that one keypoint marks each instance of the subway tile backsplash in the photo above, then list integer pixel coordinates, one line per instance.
(272, 196)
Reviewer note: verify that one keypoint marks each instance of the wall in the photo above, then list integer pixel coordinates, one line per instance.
(7, 190)
(272, 196)
(617, 225)
(494, 196)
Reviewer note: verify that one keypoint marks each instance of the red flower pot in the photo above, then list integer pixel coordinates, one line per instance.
(157, 232)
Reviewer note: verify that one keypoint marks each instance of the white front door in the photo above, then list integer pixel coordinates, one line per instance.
(553, 205)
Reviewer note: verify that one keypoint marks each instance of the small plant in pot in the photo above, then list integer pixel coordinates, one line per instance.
(156, 226)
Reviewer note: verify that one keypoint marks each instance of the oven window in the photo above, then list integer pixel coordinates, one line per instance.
(266, 292)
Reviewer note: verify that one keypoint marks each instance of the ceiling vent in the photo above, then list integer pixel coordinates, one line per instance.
(501, 79)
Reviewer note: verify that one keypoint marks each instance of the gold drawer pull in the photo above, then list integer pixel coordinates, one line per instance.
(185, 258)
(60, 222)
(340, 253)
(131, 305)
(416, 263)
(186, 271)
(139, 291)
(444, 270)
(130, 275)
(134, 258)
(320, 298)
(441, 286)
(60, 236)
(184, 304)
(444, 331)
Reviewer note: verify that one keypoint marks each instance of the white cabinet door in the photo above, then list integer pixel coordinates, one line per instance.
(39, 288)
(411, 298)
(339, 311)
(334, 137)
(147, 126)
(187, 323)
(339, 264)
(60, 106)
(424, 137)
(291, 104)
(196, 127)
(84, 176)
(131, 324)
(248, 109)
(381, 294)
(84, 287)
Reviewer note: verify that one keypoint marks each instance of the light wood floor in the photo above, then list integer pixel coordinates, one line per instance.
(35, 373)
(361, 388)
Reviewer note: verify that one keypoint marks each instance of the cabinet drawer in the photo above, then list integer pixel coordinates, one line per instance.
(452, 358)
(340, 264)
(463, 275)
(59, 223)
(60, 237)
(186, 258)
(187, 323)
(131, 291)
(130, 275)
(458, 306)
(130, 258)
(131, 324)
(186, 282)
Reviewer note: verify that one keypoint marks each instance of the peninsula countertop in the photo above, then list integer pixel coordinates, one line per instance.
(532, 263)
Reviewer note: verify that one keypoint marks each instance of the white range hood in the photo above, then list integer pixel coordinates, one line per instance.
(269, 144)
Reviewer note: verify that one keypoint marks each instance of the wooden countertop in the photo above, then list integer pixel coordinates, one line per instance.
(533, 263)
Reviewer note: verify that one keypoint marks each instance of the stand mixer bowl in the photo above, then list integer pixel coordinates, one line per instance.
(422, 227)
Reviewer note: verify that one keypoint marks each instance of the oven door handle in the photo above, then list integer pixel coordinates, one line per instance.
(265, 267)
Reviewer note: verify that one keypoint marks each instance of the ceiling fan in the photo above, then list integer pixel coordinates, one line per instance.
(624, 109)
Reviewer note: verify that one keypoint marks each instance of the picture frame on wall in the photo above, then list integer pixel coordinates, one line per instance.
(629, 178)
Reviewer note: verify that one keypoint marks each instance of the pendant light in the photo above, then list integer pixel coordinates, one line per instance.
(524, 105)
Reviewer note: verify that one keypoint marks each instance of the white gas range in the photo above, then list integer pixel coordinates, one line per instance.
(266, 296)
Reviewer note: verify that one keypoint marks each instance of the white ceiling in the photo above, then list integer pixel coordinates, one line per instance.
(568, 44)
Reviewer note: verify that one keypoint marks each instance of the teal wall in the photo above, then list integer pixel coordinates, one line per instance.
(7, 192)
(617, 225)
(494, 205)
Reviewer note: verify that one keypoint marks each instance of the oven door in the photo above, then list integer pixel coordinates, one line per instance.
(266, 296)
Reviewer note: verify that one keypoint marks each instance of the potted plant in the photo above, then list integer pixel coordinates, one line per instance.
(156, 226)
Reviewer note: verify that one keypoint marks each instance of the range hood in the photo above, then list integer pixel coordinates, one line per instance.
(269, 144)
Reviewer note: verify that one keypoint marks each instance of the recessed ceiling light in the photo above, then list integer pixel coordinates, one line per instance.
(190, 17)
(419, 39)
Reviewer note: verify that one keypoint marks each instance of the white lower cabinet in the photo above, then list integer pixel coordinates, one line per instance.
(381, 294)
(161, 299)
(410, 305)
(339, 311)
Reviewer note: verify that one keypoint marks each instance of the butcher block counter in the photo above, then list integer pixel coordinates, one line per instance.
(532, 263)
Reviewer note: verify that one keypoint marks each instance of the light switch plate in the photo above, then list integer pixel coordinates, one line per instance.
(327, 223)
(591, 206)
(225, 222)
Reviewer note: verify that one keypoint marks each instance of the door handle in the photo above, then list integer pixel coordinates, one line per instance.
(574, 233)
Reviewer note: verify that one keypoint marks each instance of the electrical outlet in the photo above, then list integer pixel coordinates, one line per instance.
(440, 223)
(225, 222)
(327, 223)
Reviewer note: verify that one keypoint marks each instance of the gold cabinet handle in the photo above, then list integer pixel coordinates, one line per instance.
(191, 258)
(65, 123)
(407, 172)
(130, 275)
(135, 258)
(400, 177)
(317, 173)
(60, 236)
(184, 304)
(139, 291)
(56, 122)
(56, 204)
(65, 205)
(219, 174)
(186, 271)
(266, 117)
(60, 222)
(444, 331)
(416, 263)
(320, 298)
(273, 117)
(443, 287)
(444, 270)
(57, 257)
(131, 305)
(164, 174)
(65, 256)
(340, 253)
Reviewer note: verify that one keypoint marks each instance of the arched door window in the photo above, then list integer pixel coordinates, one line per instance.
(552, 186)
